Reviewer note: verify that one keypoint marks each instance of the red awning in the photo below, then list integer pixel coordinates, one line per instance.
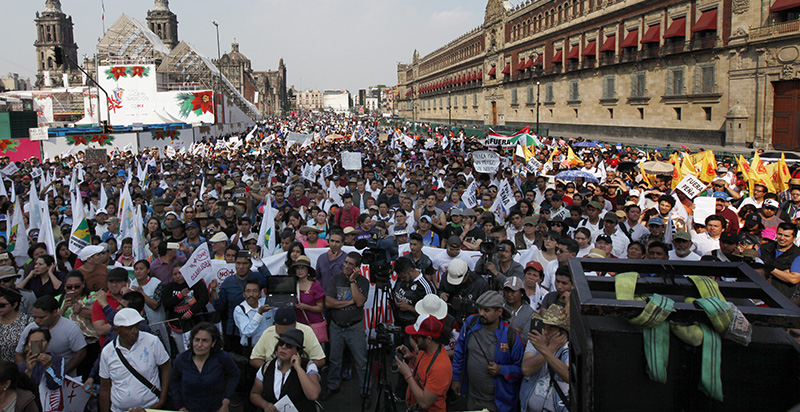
(538, 60)
(781, 5)
(676, 29)
(529, 63)
(408, 93)
(652, 35)
(480, 75)
(631, 40)
(590, 49)
(521, 66)
(573, 53)
(609, 45)
(708, 21)
(558, 57)
(507, 69)
(493, 71)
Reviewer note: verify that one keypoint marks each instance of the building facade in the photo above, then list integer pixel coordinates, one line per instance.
(704, 71)
(164, 23)
(309, 100)
(55, 29)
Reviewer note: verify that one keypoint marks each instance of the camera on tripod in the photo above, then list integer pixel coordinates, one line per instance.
(461, 307)
(379, 255)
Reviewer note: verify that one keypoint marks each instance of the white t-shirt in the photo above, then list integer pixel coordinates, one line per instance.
(145, 356)
(549, 281)
(705, 244)
(690, 257)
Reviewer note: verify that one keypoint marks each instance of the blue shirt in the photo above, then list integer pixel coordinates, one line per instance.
(203, 391)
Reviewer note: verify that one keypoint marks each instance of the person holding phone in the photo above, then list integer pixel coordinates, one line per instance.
(432, 372)
(39, 363)
(546, 363)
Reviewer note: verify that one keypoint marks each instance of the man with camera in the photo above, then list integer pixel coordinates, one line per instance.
(488, 358)
(501, 266)
(346, 294)
(460, 288)
(432, 373)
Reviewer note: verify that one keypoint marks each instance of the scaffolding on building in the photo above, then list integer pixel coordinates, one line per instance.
(130, 39)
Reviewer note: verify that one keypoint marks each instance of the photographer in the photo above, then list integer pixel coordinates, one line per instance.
(500, 266)
(546, 365)
(410, 288)
(432, 373)
(460, 288)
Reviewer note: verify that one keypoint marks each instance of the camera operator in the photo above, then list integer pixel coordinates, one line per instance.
(500, 267)
(460, 288)
(432, 374)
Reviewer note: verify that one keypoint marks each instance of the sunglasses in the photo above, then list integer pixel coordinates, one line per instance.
(286, 345)
(72, 287)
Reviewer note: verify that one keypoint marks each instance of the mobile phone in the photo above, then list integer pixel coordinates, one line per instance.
(247, 189)
(536, 325)
(36, 347)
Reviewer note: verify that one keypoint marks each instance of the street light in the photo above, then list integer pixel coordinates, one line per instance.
(216, 24)
(537, 108)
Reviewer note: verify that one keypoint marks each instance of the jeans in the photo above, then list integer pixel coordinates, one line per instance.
(356, 341)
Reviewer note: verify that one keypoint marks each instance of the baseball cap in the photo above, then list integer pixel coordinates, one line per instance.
(771, 203)
(720, 195)
(655, 220)
(634, 192)
(454, 240)
(753, 219)
(529, 220)
(426, 325)
(7, 272)
(457, 272)
(89, 251)
(491, 299)
(683, 236)
(285, 316)
(534, 265)
(729, 237)
(513, 283)
(219, 237)
(595, 204)
(101, 211)
(611, 217)
(425, 217)
(118, 275)
(127, 317)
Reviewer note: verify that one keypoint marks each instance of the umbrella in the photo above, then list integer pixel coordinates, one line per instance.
(587, 144)
(571, 175)
(658, 168)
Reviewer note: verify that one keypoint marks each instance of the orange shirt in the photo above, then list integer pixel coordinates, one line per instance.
(436, 379)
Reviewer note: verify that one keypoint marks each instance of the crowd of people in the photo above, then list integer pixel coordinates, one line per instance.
(481, 295)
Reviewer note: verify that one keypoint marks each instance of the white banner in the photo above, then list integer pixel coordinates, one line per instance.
(70, 397)
(485, 161)
(198, 263)
(495, 141)
(470, 196)
(506, 195)
(351, 160)
(38, 133)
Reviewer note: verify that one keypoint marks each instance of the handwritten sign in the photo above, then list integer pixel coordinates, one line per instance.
(198, 263)
(351, 160)
(486, 161)
(38, 133)
(470, 196)
(495, 141)
(327, 170)
(691, 186)
(96, 156)
(10, 169)
(533, 165)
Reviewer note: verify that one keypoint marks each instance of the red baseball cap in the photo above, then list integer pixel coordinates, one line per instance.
(426, 325)
(536, 265)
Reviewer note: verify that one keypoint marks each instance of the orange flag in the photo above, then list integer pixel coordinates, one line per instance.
(572, 159)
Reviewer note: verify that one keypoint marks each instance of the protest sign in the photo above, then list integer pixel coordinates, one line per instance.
(470, 196)
(691, 186)
(308, 173)
(69, 397)
(37, 133)
(351, 160)
(703, 208)
(533, 165)
(486, 161)
(96, 156)
(506, 195)
(199, 262)
(327, 170)
(495, 141)
(10, 169)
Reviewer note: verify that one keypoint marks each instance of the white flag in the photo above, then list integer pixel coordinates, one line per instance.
(103, 197)
(3, 191)
(47, 81)
(266, 234)
(35, 212)
(17, 234)
(46, 232)
(334, 197)
(470, 196)
(65, 79)
(202, 188)
(497, 210)
(13, 192)
(80, 236)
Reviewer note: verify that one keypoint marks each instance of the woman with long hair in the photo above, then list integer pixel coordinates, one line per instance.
(65, 259)
(150, 287)
(299, 378)
(42, 280)
(310, 296)
(12, 322)
(204, 377)
(547, 253)
(320, 222)
(16, 390)
(295, 250)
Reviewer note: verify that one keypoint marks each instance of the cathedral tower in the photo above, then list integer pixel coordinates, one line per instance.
(163, 23)
(54, 29)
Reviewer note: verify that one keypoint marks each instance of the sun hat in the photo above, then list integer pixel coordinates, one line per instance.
(304, 261)
(432, 305)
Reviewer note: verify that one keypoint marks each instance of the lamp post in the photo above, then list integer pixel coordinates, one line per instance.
(216, 24)
(537, 108)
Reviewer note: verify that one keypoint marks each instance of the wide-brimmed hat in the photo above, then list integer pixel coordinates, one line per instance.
(8, 272)
(305, 229)
(351, 231)
(431, 305)
(293, 336)
(304, 261)
(555, 316)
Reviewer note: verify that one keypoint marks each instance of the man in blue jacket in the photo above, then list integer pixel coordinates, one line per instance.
(487, 366)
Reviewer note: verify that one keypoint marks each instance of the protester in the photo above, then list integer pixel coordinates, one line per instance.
(12, 323)
(432, 373)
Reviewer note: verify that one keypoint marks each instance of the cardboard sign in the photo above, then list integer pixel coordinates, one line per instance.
(37, 133)
(96, 156)
(533, 165)
(691, 186)
(486, 161)
(351, 160)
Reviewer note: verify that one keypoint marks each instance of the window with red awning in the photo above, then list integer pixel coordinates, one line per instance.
(652, 34)
(676, 29)
(631, 40)
(574, 53)
(507, 69)
(609, 45)
(558, 57)
(590, 49)
(493, 71)
(707, 22)
(781, 5)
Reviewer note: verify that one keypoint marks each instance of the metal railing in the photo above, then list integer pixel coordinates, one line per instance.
(773, 30)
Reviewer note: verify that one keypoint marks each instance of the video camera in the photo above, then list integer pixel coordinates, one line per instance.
(461, 307)
(379, 255)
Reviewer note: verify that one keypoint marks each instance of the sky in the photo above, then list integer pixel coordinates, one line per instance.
(325, 44)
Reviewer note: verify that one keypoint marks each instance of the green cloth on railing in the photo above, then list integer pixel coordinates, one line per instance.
(710, 375)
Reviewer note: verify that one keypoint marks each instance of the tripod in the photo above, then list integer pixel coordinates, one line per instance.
(379, 357)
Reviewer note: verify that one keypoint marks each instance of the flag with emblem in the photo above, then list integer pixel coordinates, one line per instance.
(80, 236)
(17, 239)
(266, 234)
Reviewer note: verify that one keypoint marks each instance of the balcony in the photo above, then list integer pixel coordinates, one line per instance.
(629, 54)
(673, 47)
(775, 30)
(607, 59)
(705, 42)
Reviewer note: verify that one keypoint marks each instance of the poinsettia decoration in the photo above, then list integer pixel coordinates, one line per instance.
(196, 102)
(166, 134)
(127, 71)
(85, 139)
(8, 145)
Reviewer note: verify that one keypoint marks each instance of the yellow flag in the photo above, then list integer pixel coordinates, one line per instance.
(552, 154)
(758, 172)
(783, 170)
(687, 168)
(645, 176)
(572, 159)
(528, 153)
(706, 164)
